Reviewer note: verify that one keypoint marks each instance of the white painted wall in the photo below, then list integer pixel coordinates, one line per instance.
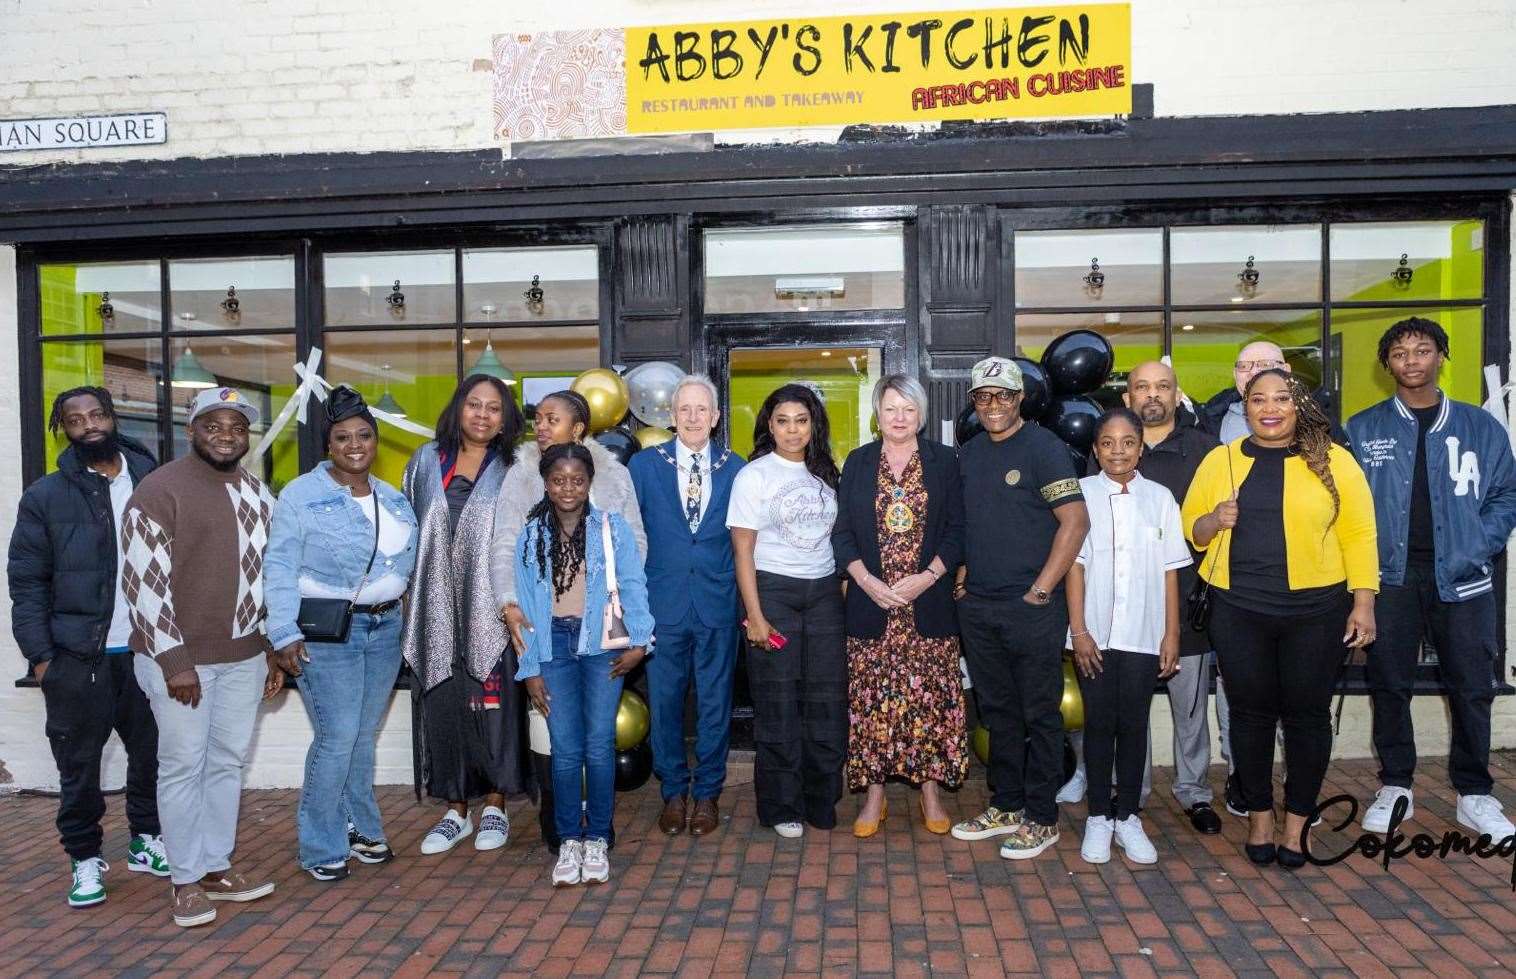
(288, 76)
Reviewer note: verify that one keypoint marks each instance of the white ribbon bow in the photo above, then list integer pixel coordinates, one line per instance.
(313, 384)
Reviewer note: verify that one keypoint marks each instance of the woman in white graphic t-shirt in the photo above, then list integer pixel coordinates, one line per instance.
(783, 504)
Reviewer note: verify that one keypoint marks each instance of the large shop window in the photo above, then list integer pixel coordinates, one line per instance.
(154, 333)
(1324, 293)
(405, 327)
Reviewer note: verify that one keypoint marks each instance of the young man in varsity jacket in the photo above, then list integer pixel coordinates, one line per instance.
(193, 535)
(1444, 486)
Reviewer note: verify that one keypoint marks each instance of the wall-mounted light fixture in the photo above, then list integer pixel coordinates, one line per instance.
(1247, 279)
(1094, 280)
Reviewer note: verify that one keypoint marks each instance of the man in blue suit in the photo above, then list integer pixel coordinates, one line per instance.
(683, 487)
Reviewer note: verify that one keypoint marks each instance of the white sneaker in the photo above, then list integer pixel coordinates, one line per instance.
(1376, 819)
(1131, 837)
(494, 829)
(1482, 814)
(446, 834)
(596, 868)
(566, 872)
(790, 831)
(88, 887)
(1096, 847)
(1073, 790)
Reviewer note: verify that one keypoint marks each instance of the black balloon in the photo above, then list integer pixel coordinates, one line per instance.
(621, 443)
(967, 426)
(1072, 418)
(634, 767)
(1035, 393)
(1081, 461)
(1078, 362)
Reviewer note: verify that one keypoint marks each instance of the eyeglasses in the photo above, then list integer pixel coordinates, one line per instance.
(983, 398)
(1257, 365)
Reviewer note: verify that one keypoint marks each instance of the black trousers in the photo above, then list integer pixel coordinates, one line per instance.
(1015, 652)
(476, 738)
(1116, 702)
(85, 702)
(1280, 671)
(1464, 634)
(800, 704)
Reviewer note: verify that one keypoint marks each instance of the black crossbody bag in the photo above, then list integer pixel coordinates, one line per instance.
(1199, 599)
(329, 619)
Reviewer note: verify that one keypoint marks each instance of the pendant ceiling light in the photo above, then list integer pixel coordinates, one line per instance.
(388, 403)
(489, 363)
(190, 373)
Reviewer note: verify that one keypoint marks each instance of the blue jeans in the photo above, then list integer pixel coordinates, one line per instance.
(689, 651)
(581, 722)
(346, 688)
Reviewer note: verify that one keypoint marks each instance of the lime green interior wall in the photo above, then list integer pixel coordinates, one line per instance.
(843, 389)
(1364, 382)
(64, 366)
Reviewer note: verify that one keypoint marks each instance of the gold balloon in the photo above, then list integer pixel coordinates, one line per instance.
(648, 436)
(1072, 705)
(980, 740)
(607, 393)
(632, 721)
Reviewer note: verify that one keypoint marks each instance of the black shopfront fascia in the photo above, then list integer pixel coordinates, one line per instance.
(959, 195)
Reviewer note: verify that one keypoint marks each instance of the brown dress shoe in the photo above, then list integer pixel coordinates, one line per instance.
(228, 885)
(671, 821)
(706, 819)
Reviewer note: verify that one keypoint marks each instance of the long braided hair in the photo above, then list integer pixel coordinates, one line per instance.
(557, 553)
(1313, 431)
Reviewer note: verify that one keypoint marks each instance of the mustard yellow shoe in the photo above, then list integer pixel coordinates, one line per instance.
(864, 828)
(938, 827)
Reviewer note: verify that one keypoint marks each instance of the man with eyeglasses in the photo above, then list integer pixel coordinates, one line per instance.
(1223, 415)
(1026, 520)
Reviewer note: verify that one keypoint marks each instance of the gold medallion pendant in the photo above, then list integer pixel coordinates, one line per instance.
(899, 518)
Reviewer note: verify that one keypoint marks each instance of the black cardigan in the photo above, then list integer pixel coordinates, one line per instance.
(855, 536)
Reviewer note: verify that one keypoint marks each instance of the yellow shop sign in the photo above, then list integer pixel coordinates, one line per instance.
(880, 68)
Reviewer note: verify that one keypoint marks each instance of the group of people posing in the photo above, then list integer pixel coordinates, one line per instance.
(523, 583)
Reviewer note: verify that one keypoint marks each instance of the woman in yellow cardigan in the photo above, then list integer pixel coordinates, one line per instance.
(1287, 526)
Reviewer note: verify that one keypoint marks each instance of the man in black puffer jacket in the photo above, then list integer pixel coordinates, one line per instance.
(70, 620)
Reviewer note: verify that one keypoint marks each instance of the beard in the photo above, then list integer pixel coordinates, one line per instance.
(104, 449)
(1153, 413)
(228, 466)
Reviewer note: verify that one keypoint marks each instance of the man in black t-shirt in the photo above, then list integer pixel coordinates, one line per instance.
(1025, 523)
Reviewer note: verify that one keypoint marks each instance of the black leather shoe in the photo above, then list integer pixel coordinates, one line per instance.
(1262, 854)
(1204, 818)
(1291, 859)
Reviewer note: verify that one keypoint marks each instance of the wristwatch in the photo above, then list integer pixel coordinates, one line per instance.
(1042, 596)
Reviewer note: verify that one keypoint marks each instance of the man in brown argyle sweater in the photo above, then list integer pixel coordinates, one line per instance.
(193, 535)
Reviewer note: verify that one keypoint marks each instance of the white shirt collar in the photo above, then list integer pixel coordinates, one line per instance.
(1114, 488)
(683, 454)
(124, 473)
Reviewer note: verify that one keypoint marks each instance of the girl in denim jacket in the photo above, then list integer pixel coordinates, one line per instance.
(570, 678)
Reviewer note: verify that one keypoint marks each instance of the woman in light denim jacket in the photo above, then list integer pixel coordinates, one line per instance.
(319, 545)
(561, 584)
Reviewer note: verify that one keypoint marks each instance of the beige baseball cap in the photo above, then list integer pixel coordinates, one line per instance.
(995, 372)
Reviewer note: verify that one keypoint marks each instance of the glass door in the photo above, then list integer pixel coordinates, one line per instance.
(844, 377)
(841, 360)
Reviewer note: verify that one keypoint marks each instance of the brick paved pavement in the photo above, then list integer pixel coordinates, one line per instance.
(744, 901)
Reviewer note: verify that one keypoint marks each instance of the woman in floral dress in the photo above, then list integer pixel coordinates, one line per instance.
(899, 537)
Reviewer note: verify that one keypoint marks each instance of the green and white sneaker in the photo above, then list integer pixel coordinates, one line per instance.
(146, 855)
(1028, 841)
(89, 884)
(991, 822)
